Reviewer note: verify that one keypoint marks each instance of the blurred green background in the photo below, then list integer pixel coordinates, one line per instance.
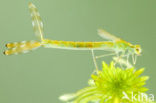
(43, 75)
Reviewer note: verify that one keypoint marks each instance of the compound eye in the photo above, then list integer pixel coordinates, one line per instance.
(138, 51)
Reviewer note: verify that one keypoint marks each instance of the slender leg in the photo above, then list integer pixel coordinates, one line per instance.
(119, 60)
(94, 60)
(119, 57)
(134, 58)
(129, 65)
(97, 57)
(127, 59)
(123, 62)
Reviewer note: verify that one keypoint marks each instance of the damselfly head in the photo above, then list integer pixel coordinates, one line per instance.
(138, 50)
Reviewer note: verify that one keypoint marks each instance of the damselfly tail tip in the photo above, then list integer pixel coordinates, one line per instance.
(5, 52)
(6, 45)
(9, 52)
(21, 47)
(11, 45)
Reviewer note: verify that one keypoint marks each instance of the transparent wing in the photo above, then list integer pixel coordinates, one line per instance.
(104, 34)
(36, 21)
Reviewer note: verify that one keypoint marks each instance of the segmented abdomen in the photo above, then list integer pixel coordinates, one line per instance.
(77, 45)
(21, 47)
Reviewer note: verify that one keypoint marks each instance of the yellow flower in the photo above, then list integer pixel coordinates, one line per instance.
(112, 85)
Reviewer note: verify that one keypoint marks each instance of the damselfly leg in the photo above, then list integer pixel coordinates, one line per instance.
(134, 58)
(97, 57)
(94, 60)
(100, 56)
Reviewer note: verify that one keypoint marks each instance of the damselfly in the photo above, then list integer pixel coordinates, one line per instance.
(120, 47)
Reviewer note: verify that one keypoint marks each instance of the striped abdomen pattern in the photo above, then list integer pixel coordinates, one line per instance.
(71, 44)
